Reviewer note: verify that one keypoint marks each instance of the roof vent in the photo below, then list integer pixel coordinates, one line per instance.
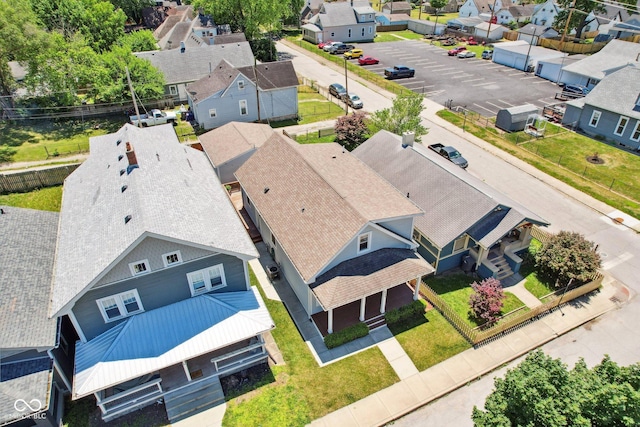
(127, 219)
(120, 157)
(122, 171)
(407, 195)
(1, 211)
(266, 190)
(123, 188)
(118, 142)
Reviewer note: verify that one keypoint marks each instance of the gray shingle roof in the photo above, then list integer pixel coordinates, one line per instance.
(27, 251)
(614, 55)
(618, 92)
(453, 200)
(165, 196)
(337, 14)
(368, 274)
(233, 139)
(272, 75)
(27, 381)
(316, 198)
(216, 81)
(193, 64)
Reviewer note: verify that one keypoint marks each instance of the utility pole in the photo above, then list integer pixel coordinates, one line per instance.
(493, 9)
(133, 97)
(346, 88)
(526, 62)
(566, 25)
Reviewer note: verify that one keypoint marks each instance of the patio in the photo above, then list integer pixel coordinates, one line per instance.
(348, 314)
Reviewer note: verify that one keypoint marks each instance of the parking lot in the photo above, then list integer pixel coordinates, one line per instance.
(477, 84)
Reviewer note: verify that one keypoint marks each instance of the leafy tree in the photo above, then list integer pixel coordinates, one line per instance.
(403, 116)
(541, 391)
(580, 16)
(139, 41)
(264, 49)
(487, 300)
(351, 130)
(248, 16)
(133, 8)
(567, 255)
(437, 5)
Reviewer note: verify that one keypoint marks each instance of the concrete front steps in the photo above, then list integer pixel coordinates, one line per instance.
(194, 398)
(375, 322)
(504, 270)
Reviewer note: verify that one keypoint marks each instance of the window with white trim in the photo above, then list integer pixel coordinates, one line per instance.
(349, 33)
(139, 267)
(173, 90)
(364, 242)
(207, 280)
(362, 32)
(240, 84)
(370, 30)
(119, 306)
(171, 258)
(243, 107)
(635, 135)
(459, 243)
(595, 118)
(213, 113)
(621, 126)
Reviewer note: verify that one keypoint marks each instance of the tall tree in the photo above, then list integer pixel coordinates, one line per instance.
(139, 41)
(567, 255)
(133, 8)
(580, 16)
(437, 5)
(403, 116)
(541, 391)
(249, 16)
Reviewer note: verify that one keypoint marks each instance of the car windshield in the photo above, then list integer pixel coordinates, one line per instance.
(354, 97)
(454, 154)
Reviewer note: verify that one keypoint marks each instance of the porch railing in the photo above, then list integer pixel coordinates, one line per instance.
(128, 399)
(234, 358)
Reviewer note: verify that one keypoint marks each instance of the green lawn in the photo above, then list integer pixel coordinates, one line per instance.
(394, 36)
(302, 391)
(564, 156)
(317, 111)
(32, 140)
(429, 339)
(46, 199)
(455, 290)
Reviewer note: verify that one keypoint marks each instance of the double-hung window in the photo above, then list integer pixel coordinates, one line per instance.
(172, 258)
(635, 135)
(243, 107)
(621, 126)
(140, 267)
(118, 306)
(207, 279)
(364, 242)
(595, 118)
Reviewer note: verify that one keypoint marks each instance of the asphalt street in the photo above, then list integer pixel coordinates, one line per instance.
(615, 333)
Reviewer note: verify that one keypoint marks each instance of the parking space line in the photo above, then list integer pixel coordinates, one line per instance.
(464, 76)
(439, 66)
(475, 80)
(484, 108)
(528, 77)
(496, 66)
(544, 81)
(499, 107)
(484, 84)
(418, 83)
(505, 102)
(435, 92)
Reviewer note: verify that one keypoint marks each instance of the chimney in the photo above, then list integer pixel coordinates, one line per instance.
(182, 47)
(131, 158)
(408, 138)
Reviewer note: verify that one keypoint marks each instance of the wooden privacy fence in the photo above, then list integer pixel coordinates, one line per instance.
(570, 47)
(20, 182)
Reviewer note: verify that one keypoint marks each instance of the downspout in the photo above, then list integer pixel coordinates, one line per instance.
(56, 365)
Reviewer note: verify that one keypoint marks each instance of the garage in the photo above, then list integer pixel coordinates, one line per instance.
(521, 55)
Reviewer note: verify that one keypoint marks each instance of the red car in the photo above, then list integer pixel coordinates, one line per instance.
(322, 44)
(472, 41)
(367, 60)
(456, 50)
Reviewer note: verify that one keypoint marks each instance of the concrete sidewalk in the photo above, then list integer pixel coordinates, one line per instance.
(424, 387)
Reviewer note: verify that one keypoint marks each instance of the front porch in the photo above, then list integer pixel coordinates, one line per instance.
(349, 314)
(186, 387)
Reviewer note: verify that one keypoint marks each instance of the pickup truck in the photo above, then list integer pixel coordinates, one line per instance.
(451, 154)
(156, 117)
(340, 48)
(399, 72)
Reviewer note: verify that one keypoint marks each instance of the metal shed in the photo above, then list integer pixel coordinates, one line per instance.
(515, 118)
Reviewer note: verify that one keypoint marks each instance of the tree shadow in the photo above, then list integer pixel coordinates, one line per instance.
(247, 380)
(407, 324)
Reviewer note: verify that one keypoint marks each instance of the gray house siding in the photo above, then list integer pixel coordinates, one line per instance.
(571, 115)
(152, 250)
(226, 170)
(156, 290)
(342, 33)
(279, 104)
(607, 125)
(227, 105)
(402, 227)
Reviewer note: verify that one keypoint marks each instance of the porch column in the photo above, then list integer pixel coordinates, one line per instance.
(416, 291)
(186, 370)
(99, 401)
(330, 321)
(363, 305)
(383, 301)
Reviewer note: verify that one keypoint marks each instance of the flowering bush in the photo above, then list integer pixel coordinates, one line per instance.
(486, 302)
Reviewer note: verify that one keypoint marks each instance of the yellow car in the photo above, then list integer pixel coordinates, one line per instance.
(353, 54)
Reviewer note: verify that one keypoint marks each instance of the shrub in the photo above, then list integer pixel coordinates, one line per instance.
(405, 312)
(486, 302)
(346, 335)
(351, 130)
(567, 255)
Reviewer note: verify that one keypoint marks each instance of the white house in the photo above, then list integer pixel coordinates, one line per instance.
(545, 13)
(477, 7)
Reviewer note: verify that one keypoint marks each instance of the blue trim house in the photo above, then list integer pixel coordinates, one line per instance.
(264, 92)
(466, 222)
(151, 269)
